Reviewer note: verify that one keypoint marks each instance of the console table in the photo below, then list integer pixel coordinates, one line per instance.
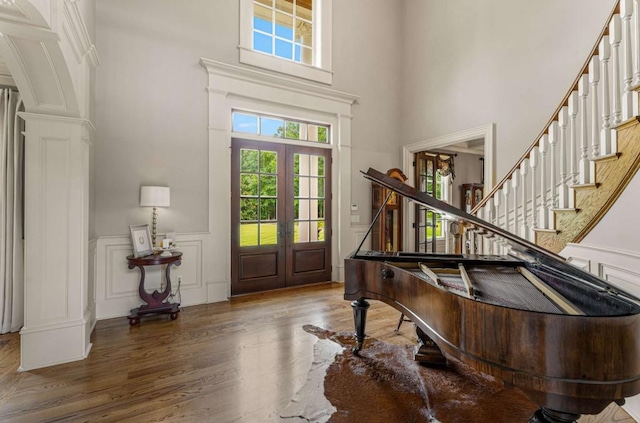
(155, 301)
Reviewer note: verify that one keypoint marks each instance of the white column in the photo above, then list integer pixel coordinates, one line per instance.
(584, 166)
(543, 219)
(57, 308)
(626, 10)
(615, 37)
(524, 169)
(594, 79)
(573, 138)
(604, 50)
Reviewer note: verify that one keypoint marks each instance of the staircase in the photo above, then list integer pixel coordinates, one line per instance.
(587, 153)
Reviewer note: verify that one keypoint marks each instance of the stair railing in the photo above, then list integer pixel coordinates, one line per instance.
(580, 132)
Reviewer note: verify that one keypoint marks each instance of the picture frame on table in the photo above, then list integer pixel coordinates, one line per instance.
(141, 240)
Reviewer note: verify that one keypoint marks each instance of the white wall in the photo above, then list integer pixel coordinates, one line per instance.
(152, 116)
(467, 63)
(151, 100)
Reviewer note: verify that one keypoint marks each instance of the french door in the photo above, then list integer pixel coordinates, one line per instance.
(281, 215)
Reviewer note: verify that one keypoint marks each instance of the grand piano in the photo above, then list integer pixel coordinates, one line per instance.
(566, 338)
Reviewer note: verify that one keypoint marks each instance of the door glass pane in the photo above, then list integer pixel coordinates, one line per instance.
(248, 209)
(248, 160)
(268, 233)
(268, 186)
(268, 162)
(319, 188)
(301, 231)
(301, 187)
(309, 191)
(258, 197)
(268, 209)
(320, 209)
(248, 234)
(248, 184)
(320, 229)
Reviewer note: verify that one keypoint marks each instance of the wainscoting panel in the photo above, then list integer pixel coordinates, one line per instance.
(620, 268)
(116, 286)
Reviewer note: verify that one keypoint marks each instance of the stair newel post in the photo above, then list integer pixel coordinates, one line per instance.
(594, 79)
(533, 162)
(515, 183)
(573, 137)
(604, 50)
(543, 219)
(584, 165)
(615, 37)
(626, 10)
(524, 169)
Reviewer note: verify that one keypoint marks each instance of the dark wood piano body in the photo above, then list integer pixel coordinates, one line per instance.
(569, 364)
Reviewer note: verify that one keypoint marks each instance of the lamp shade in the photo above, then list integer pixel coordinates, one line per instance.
(152, 196)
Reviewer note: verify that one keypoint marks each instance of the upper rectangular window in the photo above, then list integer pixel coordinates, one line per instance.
(288, 36)
(284, 28)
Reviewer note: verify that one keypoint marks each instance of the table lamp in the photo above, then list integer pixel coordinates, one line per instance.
(154, 196)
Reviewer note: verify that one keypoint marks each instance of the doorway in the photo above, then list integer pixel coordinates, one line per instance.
(280, 215)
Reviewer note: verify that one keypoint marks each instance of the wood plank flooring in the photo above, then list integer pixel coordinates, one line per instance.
(240, 361)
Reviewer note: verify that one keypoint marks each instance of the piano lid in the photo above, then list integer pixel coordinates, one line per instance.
(520, 248)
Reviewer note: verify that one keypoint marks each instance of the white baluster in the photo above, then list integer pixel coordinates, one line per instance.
(496, 221)
(626, 10)
(615, 37)
(515, 184)
(573, 138)
(543, 218)
(488, 244)
(564, 198)
(594, 79)
(604, 50)
(553, 142)
(584, 166)
(506, 190)
(533, 162)
(524, 169)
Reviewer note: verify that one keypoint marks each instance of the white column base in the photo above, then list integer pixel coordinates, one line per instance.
(49, 345)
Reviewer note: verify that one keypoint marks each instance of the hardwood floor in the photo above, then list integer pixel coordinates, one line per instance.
(240, 361)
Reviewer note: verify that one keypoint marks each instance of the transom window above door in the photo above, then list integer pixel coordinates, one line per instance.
(288, 36)
(278, 127)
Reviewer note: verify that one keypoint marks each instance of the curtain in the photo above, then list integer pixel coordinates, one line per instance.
(11, 213)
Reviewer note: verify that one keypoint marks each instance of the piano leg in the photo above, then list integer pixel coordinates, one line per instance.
(360, 307)
(545, 415)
